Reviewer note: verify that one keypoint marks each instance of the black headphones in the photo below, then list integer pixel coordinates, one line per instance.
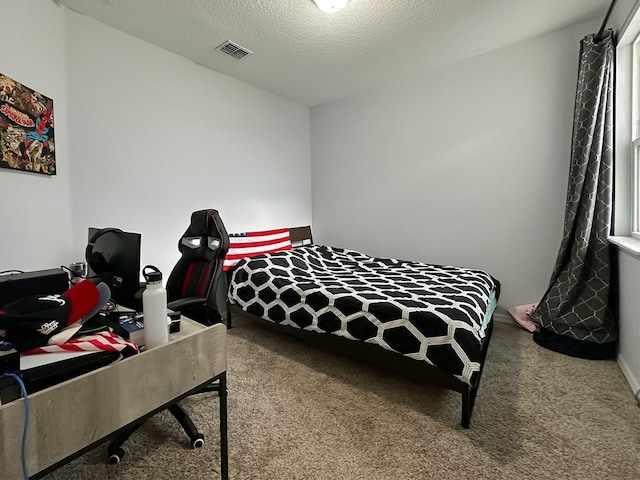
(96, 260)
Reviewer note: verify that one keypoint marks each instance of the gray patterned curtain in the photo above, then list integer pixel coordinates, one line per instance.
(576, 304)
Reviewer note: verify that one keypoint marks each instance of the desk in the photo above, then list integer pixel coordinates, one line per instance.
(105, 401)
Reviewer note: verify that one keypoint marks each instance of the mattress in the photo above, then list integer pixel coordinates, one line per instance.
(438, 314)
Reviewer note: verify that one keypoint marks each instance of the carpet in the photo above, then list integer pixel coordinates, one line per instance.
(301, 411)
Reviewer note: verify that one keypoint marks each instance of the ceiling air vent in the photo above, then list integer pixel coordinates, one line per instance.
(233, 49)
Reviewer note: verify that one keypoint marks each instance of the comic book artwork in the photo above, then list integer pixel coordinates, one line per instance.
(26, 129)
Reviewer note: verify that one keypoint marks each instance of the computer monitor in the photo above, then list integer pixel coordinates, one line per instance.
(114, 257)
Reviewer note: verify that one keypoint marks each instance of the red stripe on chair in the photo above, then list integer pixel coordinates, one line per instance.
(187, 279)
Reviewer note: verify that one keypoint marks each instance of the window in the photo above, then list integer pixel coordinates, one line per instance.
(627, 137)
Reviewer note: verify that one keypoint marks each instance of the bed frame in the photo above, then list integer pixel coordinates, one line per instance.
(386, 358)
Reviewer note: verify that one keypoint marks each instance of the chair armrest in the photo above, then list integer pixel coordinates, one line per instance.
(183, 305)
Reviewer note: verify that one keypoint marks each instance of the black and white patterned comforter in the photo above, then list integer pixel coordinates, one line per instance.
(433, 313)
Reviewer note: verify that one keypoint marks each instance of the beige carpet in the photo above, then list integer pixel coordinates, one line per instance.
(298, 411)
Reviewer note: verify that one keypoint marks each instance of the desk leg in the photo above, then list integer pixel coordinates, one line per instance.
(224, 453)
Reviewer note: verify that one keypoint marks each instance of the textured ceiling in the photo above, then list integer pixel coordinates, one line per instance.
(312, 57)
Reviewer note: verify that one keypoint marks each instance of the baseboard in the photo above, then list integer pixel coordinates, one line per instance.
(504, 318)
(633, 381)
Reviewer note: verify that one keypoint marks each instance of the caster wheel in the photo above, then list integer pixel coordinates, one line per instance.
(197, 442)
(116, 457)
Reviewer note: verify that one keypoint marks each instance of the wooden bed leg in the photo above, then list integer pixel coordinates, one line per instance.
(468, 401)
(469, 393)
(467, 406)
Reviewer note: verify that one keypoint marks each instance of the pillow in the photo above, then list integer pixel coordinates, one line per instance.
(250, 244)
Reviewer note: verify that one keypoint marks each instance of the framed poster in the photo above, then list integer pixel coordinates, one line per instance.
(26, 129)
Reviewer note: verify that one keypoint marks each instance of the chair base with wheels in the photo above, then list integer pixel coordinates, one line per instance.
(115, 452)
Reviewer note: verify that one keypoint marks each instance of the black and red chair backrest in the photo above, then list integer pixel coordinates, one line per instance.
(198, 273)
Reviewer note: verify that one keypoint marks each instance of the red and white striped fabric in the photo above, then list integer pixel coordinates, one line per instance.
(250, 244)
(101, 341)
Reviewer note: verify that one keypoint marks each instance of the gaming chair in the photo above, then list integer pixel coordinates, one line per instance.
(197, 286)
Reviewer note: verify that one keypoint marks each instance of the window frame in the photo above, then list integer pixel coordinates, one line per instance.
(635, 139)
(635, 189)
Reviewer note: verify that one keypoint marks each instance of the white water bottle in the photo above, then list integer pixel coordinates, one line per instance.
(154, 309)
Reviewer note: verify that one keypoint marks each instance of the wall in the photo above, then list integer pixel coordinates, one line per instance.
(629, 306)
(36, 209)
(143, 138)
(155, 137)
(466, 165)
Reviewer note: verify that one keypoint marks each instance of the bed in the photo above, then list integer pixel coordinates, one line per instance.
(438, 317)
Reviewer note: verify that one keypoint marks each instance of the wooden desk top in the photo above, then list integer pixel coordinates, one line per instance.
(71, 415)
